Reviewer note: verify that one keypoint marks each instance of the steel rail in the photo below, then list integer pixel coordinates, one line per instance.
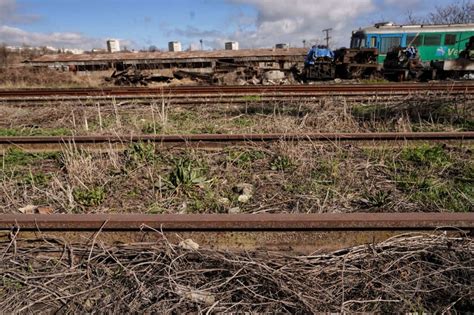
(224, 138)
(238, 222)
(222, 98)
(193, 90)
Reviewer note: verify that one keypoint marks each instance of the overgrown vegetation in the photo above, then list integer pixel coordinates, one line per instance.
(415, 113)
(32, 77)
(425, 174)
(415, 273)
(283, 177)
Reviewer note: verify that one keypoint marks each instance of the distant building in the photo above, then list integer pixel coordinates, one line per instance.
(113, 45)
(282, 46)
(174, 46)
(232, 46)
(98, 50)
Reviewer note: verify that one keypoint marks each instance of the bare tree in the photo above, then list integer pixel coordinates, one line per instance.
(460, 11)
(3, 56)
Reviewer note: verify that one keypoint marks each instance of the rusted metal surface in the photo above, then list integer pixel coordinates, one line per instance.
(233, 138)
(466, 88)
(300, 242)
(240, 222)
(170, 56)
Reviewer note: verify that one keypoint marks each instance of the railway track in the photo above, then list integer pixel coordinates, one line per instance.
(32, 143)
(245, 90)
(302, 233)
(200, 100)
(197, 95)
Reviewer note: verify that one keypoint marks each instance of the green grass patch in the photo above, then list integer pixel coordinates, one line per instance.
(205, 202)
(36, 179)
(15, 157)
(326, 172)
(251, 98)
(89, 197)
(436, 193)
(183, 117)
(245, 159)
(26, 132)
(281, 163)
(141, 152)
(434, 179)
(151, 128)
(426, 155)
(242, 122)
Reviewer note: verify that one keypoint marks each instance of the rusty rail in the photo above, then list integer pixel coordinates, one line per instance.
(225, 138)
(239, 222)
(195, 90)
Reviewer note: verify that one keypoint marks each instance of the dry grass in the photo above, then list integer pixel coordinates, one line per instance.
(26, 77)
(406, 274)
(286, 177)
(418, 113)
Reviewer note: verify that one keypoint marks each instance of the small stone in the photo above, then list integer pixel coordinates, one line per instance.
(196, 296)
(29, 209)
(189, 244)
(244, 189)
(243, 198)
(234, 210)
(224, 201)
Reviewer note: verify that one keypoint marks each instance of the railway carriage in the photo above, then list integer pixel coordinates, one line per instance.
(434, 42)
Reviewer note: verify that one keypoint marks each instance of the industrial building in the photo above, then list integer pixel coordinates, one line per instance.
(113, 45)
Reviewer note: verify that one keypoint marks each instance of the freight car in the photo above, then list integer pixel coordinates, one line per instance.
(323, 64)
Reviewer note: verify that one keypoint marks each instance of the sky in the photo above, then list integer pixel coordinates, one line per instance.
(139, 24)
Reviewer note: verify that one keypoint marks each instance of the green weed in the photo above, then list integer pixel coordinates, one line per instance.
(151, 128)
(141, 152)
(244, 159)
(243, 122)
(426, 155)
(251, 98)
(14, 132)
(89, 197)
(37, 179)
(205, 203)
(186, 173)
(375, 199)
(281, 163)
(326, 172)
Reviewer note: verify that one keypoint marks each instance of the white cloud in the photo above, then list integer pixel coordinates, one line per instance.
(16, 37)
(288, 21)
(293, 21)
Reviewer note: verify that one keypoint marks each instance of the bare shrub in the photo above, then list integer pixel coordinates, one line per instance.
(405, 274)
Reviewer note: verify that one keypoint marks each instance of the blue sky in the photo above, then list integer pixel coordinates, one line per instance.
(141, 23)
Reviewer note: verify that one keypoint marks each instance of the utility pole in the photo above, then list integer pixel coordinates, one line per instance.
(304, 43)
(201, 43)
(327, 36)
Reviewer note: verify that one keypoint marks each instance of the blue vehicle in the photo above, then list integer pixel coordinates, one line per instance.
(319, 53)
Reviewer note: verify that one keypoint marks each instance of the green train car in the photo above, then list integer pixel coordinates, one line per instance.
(434, 42)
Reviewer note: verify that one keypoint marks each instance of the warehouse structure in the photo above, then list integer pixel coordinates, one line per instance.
(195, 61)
